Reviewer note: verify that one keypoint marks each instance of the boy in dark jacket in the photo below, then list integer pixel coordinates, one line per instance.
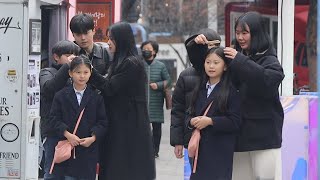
(82, 28)
(52, 80)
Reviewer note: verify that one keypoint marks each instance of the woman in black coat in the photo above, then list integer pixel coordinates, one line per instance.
(127, 153)
(182, 93)
(257, 73)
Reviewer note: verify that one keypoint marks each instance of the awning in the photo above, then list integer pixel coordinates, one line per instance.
(51, 2)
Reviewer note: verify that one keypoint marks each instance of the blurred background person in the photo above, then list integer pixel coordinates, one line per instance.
(158, 81)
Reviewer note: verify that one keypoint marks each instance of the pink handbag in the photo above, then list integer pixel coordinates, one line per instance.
(63, 148)
(193, 146)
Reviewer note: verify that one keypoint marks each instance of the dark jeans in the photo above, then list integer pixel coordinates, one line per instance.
(156, 133)
(49, 146)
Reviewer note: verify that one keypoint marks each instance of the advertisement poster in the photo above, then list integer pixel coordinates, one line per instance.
(33, 87)
(10, 91)
(102, 14)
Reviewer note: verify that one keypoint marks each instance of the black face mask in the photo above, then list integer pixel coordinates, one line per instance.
(147, 54)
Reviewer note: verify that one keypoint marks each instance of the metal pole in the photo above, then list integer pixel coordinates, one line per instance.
(285, 43)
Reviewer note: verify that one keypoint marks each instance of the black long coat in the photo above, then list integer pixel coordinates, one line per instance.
(187, 80)
(217, 141)
(127, 152)
(64, 115)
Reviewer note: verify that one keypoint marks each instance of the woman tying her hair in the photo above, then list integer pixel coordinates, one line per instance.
(257, 73)
(127, 152)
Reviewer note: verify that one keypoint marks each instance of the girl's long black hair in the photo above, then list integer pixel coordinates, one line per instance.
(122, 36)
(221, 96)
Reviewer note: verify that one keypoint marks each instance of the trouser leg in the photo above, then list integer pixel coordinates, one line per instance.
(267, 164)
(156, 132)
(242, 168)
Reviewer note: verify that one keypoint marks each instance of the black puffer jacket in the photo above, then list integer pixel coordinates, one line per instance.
(258, 79)
(183, 91)
(181, 99)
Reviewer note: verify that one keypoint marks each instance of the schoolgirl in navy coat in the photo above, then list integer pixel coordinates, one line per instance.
(220, 126)
(64, 115)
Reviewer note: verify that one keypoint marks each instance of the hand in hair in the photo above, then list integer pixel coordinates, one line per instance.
(230, 52)
(70, 58)
(201, 39)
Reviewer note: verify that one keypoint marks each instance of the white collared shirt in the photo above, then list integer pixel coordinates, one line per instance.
(79, 94)
(210, 88)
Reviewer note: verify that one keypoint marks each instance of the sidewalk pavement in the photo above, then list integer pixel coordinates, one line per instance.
(168, 167)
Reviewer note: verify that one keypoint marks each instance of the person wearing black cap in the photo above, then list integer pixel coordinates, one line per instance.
(181, 97)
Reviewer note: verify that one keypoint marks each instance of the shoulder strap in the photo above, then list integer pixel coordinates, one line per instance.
(78, 122)
(205, 113)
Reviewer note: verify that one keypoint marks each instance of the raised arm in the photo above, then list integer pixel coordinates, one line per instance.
(262, 79)
(51, 83)
(119, 82)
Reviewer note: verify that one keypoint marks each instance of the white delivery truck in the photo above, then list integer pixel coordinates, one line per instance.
(20, 39)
